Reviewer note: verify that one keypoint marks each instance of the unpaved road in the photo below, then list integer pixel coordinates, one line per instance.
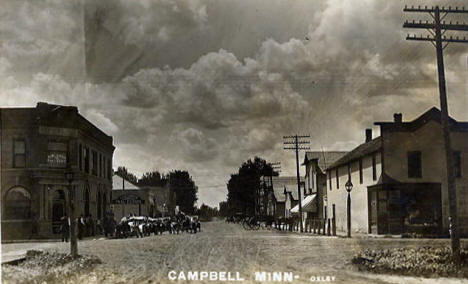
(227, 247)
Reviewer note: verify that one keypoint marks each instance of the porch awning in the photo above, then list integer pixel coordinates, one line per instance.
(307, 203)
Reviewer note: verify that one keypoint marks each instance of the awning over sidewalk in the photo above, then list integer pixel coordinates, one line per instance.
(307, 203)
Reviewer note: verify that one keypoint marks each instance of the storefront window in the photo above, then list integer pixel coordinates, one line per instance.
(422, 210)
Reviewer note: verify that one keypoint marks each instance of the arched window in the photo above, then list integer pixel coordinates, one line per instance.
(18, 204)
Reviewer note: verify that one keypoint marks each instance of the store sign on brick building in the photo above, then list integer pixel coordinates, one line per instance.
(57, 155)
(128, 199)
(57, 159)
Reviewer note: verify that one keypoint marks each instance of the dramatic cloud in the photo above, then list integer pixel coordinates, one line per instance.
(204, 85)
(43, 36)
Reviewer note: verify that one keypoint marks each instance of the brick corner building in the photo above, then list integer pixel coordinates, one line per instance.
(38, 145)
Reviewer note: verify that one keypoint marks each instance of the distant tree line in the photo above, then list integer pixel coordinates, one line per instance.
(124, 173)
(178, 181)
(244, 186)
(207, 213)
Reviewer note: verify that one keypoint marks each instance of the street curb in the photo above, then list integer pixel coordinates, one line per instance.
(14, 261)
(46, 240)
(30, 241)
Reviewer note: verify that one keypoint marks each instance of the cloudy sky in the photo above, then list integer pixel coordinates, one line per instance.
(203, 85)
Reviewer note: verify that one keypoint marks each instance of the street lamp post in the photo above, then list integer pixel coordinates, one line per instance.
(349, 187)
(71, 214)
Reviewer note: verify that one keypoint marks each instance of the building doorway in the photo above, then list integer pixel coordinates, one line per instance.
(58, 210)
(99, 206)
(104, 204)
(373, 212)
(86, 200)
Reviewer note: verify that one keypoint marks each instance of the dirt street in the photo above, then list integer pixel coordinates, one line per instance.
(224, 247)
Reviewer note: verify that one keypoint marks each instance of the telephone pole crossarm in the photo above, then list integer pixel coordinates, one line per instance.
(451, 39)
(432, 9)
(294, 136)
(294, 142)
(427, 25)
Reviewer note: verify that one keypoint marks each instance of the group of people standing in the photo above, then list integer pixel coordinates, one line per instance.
(87, 226)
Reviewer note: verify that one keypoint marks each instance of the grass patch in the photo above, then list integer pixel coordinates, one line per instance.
(424, 262)
(48, 267)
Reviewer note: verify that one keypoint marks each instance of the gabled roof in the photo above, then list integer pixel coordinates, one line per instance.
(324, 158)
(288, 182)
(359, 152)
(119, 183)
(432, 114)
(375, 145)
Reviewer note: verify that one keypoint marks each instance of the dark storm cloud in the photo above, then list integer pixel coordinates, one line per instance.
(204, 85)
(42, 36)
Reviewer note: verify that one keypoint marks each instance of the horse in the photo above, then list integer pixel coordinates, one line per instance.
(174, 226)
(122, 230)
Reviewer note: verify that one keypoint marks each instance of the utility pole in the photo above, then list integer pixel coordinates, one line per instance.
(69, 175)
(437, 29)
(296, 142)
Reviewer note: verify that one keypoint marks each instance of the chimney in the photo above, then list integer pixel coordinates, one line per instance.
(398, 117)
(368, 135)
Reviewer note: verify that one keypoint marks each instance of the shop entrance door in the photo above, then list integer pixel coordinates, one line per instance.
(382, 208)
(58, 210)
(372, 212)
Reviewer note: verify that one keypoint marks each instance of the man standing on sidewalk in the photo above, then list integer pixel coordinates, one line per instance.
(91, 225)
(81, 227)
(64, 228)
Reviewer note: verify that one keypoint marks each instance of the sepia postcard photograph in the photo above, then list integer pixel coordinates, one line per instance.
(234, 141)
